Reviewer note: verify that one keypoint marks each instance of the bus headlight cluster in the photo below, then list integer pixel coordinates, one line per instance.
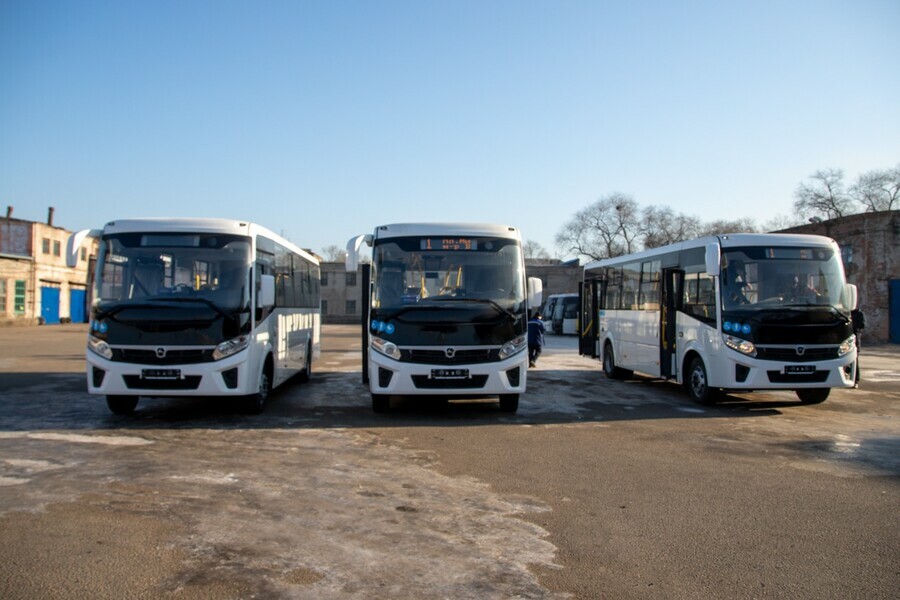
(387, 348)
(846, 346)
(736, 327)
(230, 347)
(100, 347)
(742, 346)
(513, 347)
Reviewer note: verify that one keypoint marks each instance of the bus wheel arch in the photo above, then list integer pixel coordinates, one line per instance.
(696, 381)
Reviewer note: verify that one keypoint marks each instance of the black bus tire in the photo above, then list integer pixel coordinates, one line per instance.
(813, 395)
(122, 405)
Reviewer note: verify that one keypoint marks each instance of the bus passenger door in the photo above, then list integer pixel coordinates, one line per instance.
(588, 296)
(672, 298)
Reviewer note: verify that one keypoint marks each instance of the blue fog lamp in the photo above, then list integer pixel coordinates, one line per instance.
(745, 329)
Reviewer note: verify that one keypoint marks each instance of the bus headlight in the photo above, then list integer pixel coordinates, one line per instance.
(98, 346)
(230, 347)
(847, 345)
(387, 348)
(513, 347)
(742, 346)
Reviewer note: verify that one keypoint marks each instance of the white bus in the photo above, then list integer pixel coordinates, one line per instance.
(737, 312)
(564, 319)
(446, 313)
(198, 307)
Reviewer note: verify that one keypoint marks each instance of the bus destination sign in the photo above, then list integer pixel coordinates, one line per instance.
(453, 243)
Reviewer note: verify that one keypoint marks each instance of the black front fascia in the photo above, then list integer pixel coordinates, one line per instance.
(168, 325)
(448, 325)
(813, 325)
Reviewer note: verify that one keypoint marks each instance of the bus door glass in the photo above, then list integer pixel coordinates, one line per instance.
(672, 298)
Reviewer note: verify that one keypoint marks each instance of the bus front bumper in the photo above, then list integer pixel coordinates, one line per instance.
(227, 377)
(391, 377)
(745, 373)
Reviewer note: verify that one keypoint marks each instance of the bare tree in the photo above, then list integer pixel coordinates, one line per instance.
(780, 222)
(534, 251)
(608, 227)
(334, 253)
(745, 225)
(825, 195)
(878, 190)
(661, 226)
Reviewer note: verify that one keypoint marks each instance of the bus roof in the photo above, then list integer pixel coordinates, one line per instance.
(200, 225)
(425, 229)
(726, 240)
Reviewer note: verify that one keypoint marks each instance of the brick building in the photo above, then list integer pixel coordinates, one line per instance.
(36, 286)
(870, 245)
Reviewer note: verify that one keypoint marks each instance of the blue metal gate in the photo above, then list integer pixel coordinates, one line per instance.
(50, 304)
(76, 305)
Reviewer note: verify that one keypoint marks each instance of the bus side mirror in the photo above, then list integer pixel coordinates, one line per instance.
(266, 291)
(852, 295)
(351, 263)
(713, 260)
(73, 245)
(535, 292)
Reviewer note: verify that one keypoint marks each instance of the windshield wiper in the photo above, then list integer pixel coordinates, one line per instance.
(156, 301)
(205, 301)
(499, 308)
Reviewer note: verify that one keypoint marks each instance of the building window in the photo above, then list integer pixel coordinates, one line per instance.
(351, 307)
(84, 254)
(2, 296)
(324, 307)
(324, 278)
(57, 250)
(19, 299)
(847, 255)
(45, 245)
(351, 279)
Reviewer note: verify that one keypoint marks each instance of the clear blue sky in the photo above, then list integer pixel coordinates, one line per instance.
(321, 120)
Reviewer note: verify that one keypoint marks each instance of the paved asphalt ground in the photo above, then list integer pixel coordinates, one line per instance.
(594, 489)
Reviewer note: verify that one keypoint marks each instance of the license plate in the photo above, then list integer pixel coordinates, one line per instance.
(449, 373)
(161, 374)
(799, 369)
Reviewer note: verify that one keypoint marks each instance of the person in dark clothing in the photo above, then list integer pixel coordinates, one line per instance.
(858, 320)
(535, 339)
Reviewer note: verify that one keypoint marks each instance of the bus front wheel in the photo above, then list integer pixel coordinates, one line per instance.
(509, 402)
(306, 373)
(697, 384)
(122, 405)
(813, 395)
(256, 403)
(381, 403)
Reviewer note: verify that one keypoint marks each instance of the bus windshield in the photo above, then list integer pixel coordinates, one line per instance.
(138, 268)
(415, 271)
(759, 278)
